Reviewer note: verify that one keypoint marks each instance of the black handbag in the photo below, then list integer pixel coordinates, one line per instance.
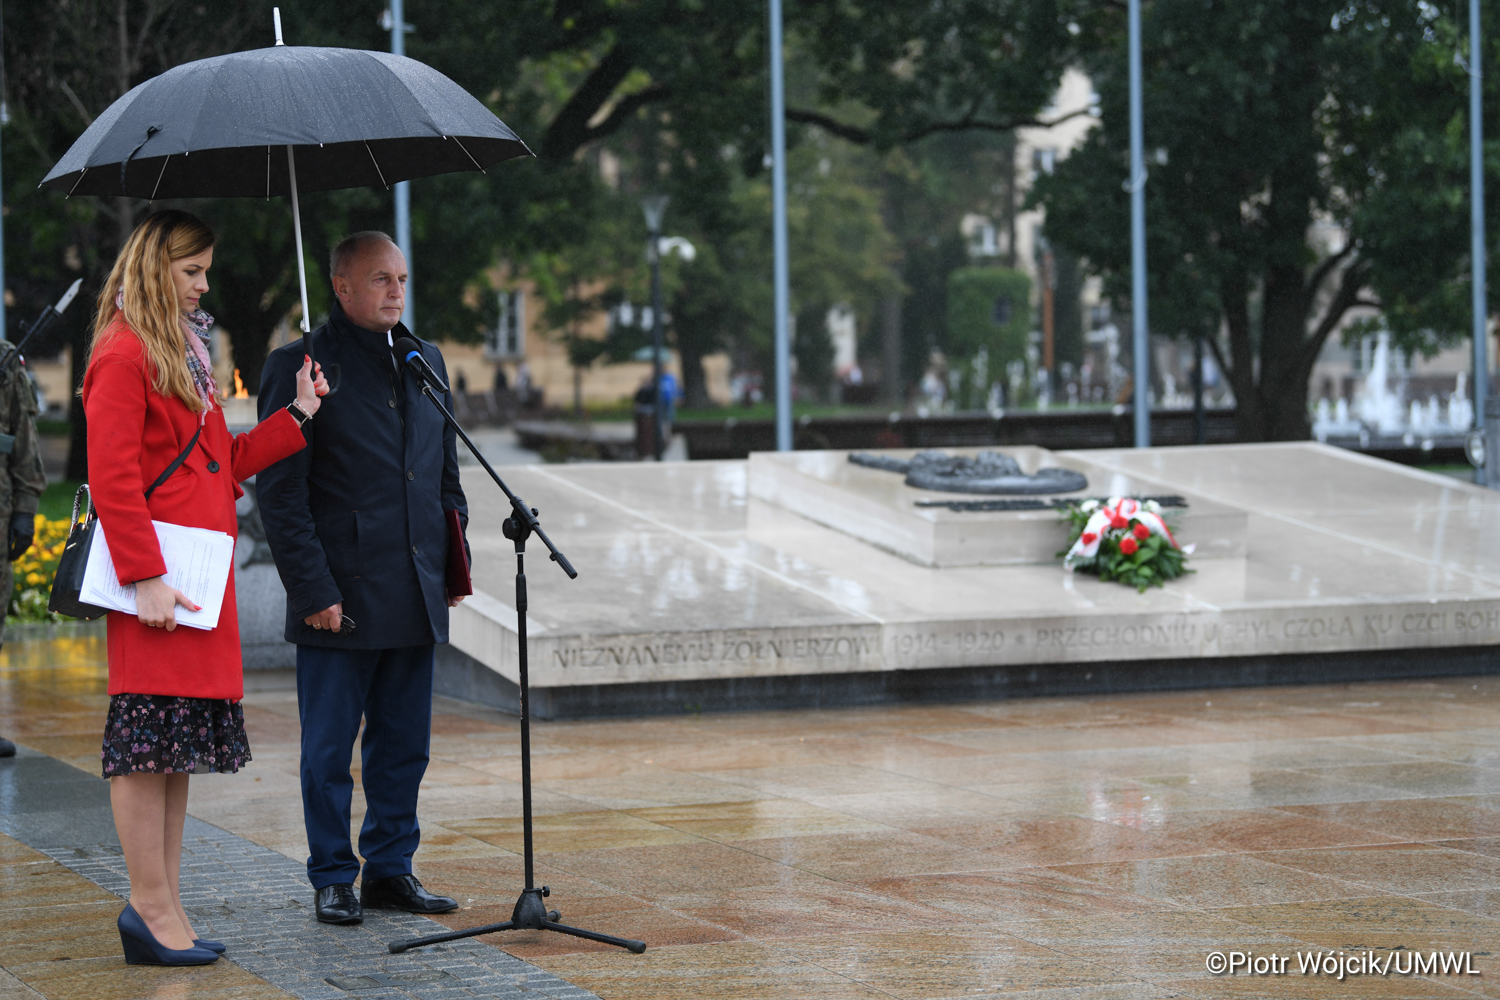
(67, 584)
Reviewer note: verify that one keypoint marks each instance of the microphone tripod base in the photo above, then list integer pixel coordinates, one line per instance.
(530, 914)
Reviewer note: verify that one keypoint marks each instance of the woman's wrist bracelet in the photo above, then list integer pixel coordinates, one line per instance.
(298, 413)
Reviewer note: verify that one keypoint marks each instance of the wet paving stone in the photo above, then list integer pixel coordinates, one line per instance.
(1089, 848)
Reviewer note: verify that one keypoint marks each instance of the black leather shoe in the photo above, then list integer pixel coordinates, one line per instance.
(337, 905)
(7, 748)
(403, 892)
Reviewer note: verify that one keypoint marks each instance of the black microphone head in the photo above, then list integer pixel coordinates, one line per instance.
(404, 348)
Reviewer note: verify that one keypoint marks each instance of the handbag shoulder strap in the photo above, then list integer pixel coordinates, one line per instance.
(175, 463)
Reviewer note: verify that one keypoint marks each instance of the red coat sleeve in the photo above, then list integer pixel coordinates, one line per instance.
(115, 405)
(271, 440)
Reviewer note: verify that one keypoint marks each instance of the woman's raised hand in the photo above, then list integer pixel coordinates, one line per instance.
(156, 603)
(311, 386)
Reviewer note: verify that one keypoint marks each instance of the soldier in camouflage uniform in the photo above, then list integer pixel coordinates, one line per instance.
(21, 476)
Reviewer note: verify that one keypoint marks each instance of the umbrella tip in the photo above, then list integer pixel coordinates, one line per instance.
(276, 21)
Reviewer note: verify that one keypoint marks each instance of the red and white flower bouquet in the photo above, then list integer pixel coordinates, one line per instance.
(1123, 539)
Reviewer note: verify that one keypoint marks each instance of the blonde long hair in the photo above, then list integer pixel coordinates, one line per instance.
(143, 270)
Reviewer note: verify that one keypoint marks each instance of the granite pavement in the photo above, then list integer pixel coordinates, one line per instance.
(1098, 848)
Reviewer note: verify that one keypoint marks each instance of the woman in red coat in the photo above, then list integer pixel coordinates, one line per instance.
(174, 706)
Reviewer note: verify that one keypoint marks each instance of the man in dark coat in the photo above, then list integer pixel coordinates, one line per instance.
(357, 523)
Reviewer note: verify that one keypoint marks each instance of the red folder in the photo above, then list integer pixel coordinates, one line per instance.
(460, 583)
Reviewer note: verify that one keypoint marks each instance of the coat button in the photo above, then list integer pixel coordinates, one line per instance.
(410, 474)
(413, 550)
(213, 466)
(391, 403)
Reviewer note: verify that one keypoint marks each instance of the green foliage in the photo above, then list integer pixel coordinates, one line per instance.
(895, 98)
(989, 308)
(56, 502)
(923, 68)
(1414, 221)
(1271, 115)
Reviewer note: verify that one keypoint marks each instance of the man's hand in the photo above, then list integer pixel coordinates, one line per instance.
(22, 533)
(331, 619)
(156, 603)
(453, 602)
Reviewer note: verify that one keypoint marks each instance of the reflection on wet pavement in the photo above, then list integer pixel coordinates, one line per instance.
(1087, 847)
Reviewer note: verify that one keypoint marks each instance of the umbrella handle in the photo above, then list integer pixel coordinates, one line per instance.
(332, 375)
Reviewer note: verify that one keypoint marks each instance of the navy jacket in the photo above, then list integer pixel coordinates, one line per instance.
(358, 515)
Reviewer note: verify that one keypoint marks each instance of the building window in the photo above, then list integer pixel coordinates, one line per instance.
(508, 338)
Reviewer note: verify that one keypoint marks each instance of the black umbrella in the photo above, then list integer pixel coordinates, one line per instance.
(344, 118)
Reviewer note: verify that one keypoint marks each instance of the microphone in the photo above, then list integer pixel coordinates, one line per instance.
(410, 354)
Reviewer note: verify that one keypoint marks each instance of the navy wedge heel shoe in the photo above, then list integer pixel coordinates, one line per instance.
(142, 948)
(214, 946)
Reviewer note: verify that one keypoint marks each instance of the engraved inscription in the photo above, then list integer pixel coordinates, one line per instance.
(967, 643)
(955, 643)
(628, 654)
(1476, 621)
(1117, 636)
(1317, 628)
(1195, 635)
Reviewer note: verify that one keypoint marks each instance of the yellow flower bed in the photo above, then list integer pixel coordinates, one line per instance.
(34, 572)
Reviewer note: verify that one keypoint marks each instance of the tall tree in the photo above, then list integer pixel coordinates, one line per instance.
(1414, 222)
(1265, 117)
(65, 63)
(678, 83)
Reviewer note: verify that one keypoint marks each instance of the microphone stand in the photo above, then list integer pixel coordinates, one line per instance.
(530, 912)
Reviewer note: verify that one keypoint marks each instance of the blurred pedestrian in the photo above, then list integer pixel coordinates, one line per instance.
(159, 450)
(670, 394)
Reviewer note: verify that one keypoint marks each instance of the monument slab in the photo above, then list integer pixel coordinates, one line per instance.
(688, 576)
(878, 507)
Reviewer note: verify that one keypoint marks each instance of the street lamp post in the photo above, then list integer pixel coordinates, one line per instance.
(1139, 337)
(782, 275)
(1476, 229)
(402, 189)
(655, 206)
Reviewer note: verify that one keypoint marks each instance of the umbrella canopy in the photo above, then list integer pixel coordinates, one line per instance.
(215, 128)
(279, 120)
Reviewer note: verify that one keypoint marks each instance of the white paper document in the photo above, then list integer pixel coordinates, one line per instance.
(198, 564)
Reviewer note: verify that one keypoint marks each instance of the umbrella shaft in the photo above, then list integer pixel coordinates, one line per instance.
(291, 169)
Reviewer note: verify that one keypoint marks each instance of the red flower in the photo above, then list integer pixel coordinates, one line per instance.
(1128, 546)
(1116, 521)
(1089, 537)
(1142, 532)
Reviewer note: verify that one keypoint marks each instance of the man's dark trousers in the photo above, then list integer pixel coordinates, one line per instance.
(392, 688)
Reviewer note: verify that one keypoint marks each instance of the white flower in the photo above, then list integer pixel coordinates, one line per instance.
(1089, 506)
(1153, 506)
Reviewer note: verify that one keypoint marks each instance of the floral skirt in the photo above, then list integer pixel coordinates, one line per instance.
(165, 734)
